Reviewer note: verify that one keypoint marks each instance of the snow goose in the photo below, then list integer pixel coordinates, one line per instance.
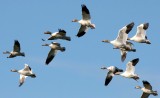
(61, 34)
(54, 48)
(129, 48)
(27, 71)
(112, 70)
(140, 36)
(129, 73)
(16, 50)
(85, 21)
(130, 70)
(121, 39)
(147, 89)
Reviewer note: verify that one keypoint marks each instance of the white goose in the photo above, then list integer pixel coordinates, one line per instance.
(112, 70)
(27, 71)
(16, 50)
(61, 34)
(147, 89)
(85, 21)
(129, 73)
(140, 36)
(54, 48)
(121, 39)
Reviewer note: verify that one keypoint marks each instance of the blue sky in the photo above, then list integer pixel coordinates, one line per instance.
(76, 72)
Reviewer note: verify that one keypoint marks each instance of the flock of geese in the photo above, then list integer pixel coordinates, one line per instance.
(121, 42)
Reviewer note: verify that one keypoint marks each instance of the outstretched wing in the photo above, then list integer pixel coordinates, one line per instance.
(123, 33)
(85, 12)
(27, 68)
(16, 47)
(108, 78)
(130, 67)
(22, 79)
(141, 30)
(147, 85)
(62, 32)
(50, 56)
(145, 95)
(83, 29)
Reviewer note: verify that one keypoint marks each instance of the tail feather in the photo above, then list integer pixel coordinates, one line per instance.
(155, 93)
(68, 38)
(63, 49)
(133, 50)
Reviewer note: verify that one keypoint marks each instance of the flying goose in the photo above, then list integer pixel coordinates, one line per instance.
(140, 36)
(130, 70)
(16, 50)
(27, 71)
(129, 73)
(61, 34)
(85, 21)
(128, 48)
(147, 89)
(112, 70)
(54, 48)
(121, 39)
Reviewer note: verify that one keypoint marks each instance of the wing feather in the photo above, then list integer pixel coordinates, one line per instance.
(16, 47)
(51, 55)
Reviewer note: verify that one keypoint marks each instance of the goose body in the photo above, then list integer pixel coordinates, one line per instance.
(85, 21)
(54, 48)
(16, 50)
(27, 71)
(120, 41)
(147, 89)
(61, 34)
(140, 35)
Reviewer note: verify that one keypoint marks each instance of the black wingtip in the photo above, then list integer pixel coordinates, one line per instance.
(16, 42)
(61, 30)
(146, 25)
(80, 34)
(85, 9)
(20, 84)
(145, 82)
(46, 63)
(129, 27)
(135, 61)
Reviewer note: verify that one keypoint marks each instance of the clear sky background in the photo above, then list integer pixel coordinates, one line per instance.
(76, 72)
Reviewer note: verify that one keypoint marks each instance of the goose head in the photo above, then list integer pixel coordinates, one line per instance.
(75, 20)
(14, 70)
(108, 68)
(48, 32)
(106, 41)
(138, 87)
(45, 45)
(103, 68)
